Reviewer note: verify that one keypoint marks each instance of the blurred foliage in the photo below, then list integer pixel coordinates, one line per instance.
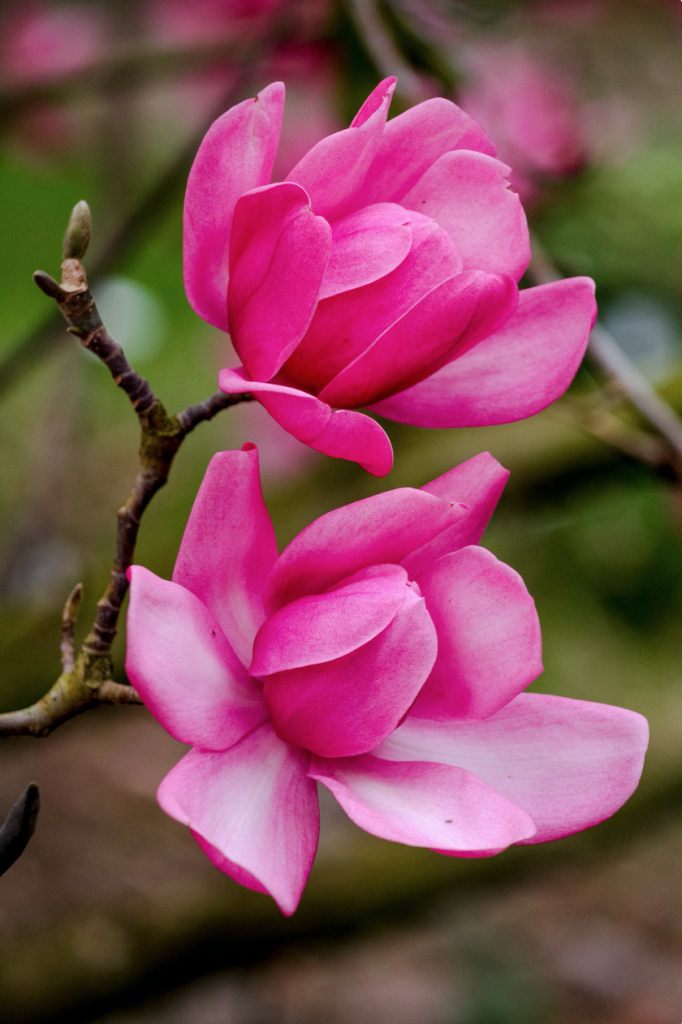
(596, 537)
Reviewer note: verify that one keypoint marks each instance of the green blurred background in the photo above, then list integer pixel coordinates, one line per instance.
(113, 913)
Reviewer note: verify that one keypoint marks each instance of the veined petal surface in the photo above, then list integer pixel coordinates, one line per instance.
(366, 246)
(255, 806)
(341, 433)
(477, 485)
(349, 705)
(345, 325)
(451, 318)
(333, 171)
(278, 255)
(489, 643)
(184, 669)
(323, 627)
(374, 531)
(569, 763)
(468, 194)
(229, 547)
(515, 372)
(423, 804)
(414, 140)
(237, 154)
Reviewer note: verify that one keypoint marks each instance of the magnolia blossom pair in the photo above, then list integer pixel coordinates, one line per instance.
(383, 654)
(381, 273)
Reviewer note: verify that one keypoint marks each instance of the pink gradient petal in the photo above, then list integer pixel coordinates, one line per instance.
(366, 246)
(569, 763)
(236, 155)
(337, 432)
(423, 804)
(183, 667)
(323, 627)
(516, 372)
(477, 484)
(345, 325)
(468, 195)
(450, 319)
(229, 547)
(412, 142)
(278, 255)
(255, 806)
(374, 531)
(349, 705)
(333, 171)
(489, 644)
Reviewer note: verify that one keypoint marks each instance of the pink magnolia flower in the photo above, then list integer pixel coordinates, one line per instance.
(382, 272)
(531, 112)
(382, 654)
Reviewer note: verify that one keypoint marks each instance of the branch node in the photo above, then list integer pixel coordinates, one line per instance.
(69, 617)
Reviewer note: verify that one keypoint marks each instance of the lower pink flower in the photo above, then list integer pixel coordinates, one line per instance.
(384, 654)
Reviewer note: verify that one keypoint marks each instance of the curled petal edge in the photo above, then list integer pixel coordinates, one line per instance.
(341, 433)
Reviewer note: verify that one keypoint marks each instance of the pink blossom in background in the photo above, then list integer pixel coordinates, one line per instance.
(530, 111)
(383, 654)
(41, 42)
(283, 459)
(382, 272)
(195, 21)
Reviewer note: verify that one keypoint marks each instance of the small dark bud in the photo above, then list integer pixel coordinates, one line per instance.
(77, 237)
(48, 285)
(18, 827)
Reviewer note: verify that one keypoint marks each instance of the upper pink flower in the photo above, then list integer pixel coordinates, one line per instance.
(383, 654)
(383, 273)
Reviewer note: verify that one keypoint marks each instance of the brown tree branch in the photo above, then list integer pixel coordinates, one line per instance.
(86, 682)
(69, 616)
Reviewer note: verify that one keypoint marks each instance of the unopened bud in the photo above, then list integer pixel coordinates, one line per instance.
(77, 236)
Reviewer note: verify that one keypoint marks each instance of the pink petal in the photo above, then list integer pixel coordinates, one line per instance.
(450, 319)
(229, 547)
(336, 432)
(489, 644)
(569, 763)
(278, 255)
(374, 531)
(412, 142)
(516, 372)
(349, 705)
(323, 627)
(366, 246)
(254, 805)
(183, 667)
(468, 195)
(236, 155)
(477, 484)
(345, 325)
(422, 804)
(333, 171)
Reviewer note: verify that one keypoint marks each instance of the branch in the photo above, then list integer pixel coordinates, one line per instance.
(69, 616)
(629, 382)
(383, 51)
(86, 681)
